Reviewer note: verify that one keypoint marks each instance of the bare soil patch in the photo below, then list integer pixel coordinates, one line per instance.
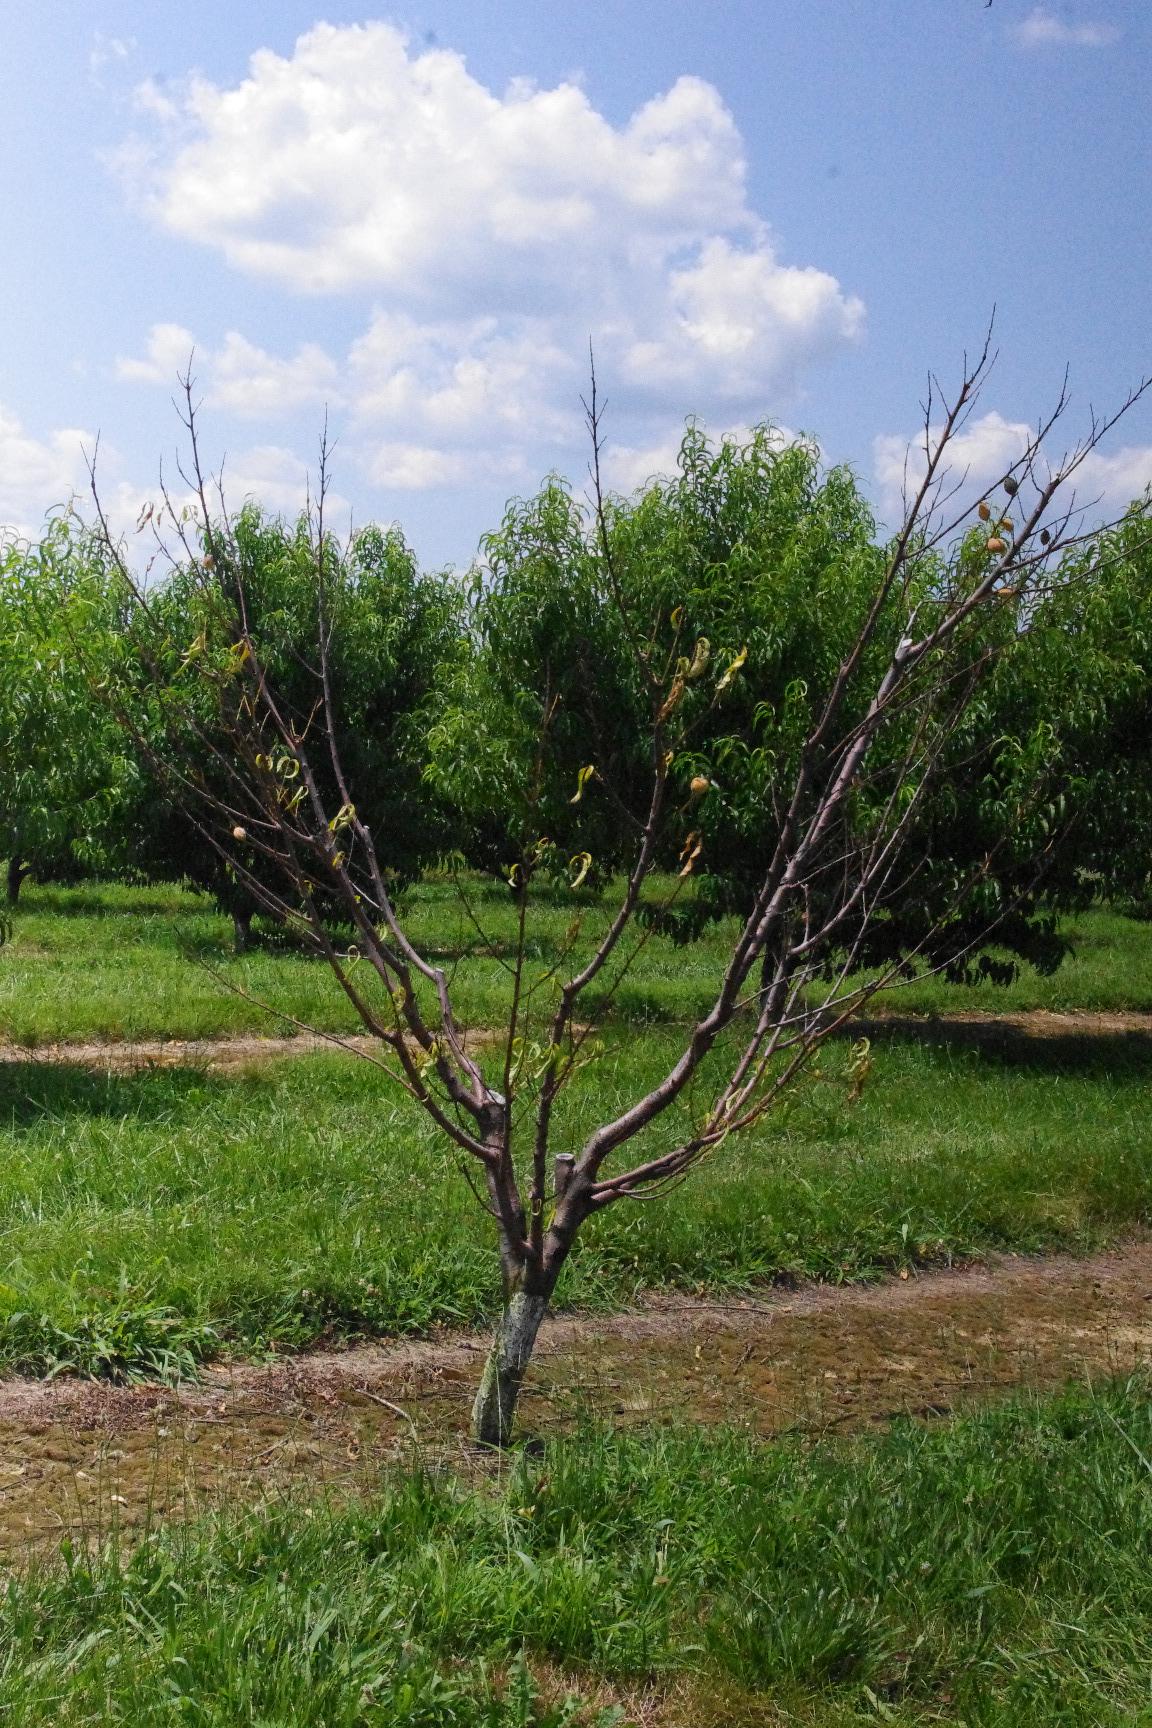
(83, 1458)
(1034, 1030)
(131, 1056)
(1036, 1035)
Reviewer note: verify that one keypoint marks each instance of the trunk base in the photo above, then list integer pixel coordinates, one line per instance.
(17, 870)
(494, 1410)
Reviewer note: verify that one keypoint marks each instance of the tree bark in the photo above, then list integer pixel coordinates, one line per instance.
(241, 932)
(17, 870)
(494, 1409)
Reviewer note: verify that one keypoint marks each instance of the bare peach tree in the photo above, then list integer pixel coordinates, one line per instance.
(960, 580)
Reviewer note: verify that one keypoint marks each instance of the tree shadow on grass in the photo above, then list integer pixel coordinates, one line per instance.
(95, 903)
(1043, 1047)
(32, 1093)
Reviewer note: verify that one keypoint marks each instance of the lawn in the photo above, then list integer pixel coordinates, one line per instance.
(149, 1218)
(108, 962)
(988, 1571)
(991, 1571)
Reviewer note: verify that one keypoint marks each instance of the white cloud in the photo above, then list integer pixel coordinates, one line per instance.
(355, 164)
(277, 478)
(627, 467)
(735, 314)
(238, 376)
(404, 467)
(38, 475)
(1104, 484)
(1116, 479)
(1042, 29)
(41, 475)
(479, 376)
(168, 352)
(108, 51)
(979, 454)
(491, 236)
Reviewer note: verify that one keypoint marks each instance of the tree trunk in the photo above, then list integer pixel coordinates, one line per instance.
(241, 932)
(494, 1410)
(17, 870)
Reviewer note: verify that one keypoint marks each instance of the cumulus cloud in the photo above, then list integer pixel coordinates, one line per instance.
(1042, 29)
(239, 375)
(168, 352)
(38, 474)
(983, 451)
(1104, 484)
(356, 164)
(1116, 479)
(490, 235)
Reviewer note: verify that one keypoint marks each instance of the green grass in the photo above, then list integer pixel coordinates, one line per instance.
(106, 962)
(147, 1220)
(992, 1572)
(1108, 971)
(194, 1212)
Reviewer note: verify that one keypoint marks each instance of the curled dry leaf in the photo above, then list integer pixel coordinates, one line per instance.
(690, 851)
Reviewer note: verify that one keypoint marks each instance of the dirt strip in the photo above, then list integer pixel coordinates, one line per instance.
(130, 1056)
(123, 1056)
(83, 1458)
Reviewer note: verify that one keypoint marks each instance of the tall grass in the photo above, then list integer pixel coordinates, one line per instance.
(149, 1219)
(991, 1572)
(149, 1215)
(109, 962)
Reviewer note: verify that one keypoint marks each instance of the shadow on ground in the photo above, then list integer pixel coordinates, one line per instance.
(34, 1090)
(1041, 1040)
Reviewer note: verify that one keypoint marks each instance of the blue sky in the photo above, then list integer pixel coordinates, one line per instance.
(416, 219)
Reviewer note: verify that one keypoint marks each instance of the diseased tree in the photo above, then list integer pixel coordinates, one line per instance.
(846, 775)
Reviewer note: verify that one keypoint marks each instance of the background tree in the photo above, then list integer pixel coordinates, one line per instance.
(64, 764)
(545, 628)
(845, 782)
(391, 635)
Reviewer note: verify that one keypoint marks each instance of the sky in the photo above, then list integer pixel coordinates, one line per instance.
(411, 224)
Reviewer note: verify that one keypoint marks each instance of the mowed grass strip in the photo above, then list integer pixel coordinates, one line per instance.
(106, 962)
(147, 1219)
(992, 1571)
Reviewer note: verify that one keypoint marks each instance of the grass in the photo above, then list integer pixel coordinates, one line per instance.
(150, 1219)
(192, 1212)
(144, 1220)
(989, 1571)
(992, 1571)
(108, 962)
